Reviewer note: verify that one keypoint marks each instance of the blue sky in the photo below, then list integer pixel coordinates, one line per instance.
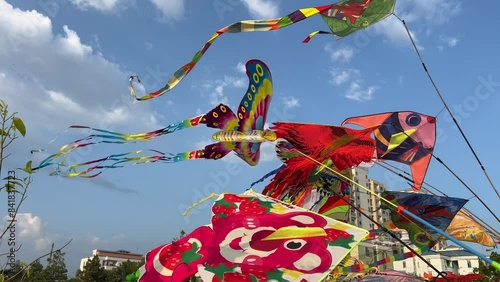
(67, 62)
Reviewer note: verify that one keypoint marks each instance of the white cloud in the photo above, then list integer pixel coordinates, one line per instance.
(447, 42)
(421, 17)
(355, 91)
(429, 12)
(395, 33)
(337, 54)
(30, 229)
(264, 9)
(56, 80)
(339, 77)
(148, 46)
(217, 88)
(268, 152)
(100, 5)
(29, 225)
(240, 67)
(359, 93)
(290, 102)
(171, 9)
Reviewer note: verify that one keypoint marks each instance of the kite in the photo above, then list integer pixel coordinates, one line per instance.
(464, 228)
(255, 238)
(311, 144)
(343, 18)
(435, 210)
(246, 126)
(405, 137)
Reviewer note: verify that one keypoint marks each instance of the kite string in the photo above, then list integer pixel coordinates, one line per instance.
(395, 237)
(213, 195)
(450, 170)
(485, 225)
(446, 106)
(398, 209)
(403, 211)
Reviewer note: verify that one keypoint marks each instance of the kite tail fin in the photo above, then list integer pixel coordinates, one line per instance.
(111, 137)
(290, 178)
(314, 33)
(269, 174)
(93, 168)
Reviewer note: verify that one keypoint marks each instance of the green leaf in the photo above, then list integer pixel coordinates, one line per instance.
(19, 124)
(2, 132)
(28, 272)
(2, 278)
(28, 169)
(9, 187)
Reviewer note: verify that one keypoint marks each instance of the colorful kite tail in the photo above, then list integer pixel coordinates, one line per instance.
(237, 27)
(314, 33)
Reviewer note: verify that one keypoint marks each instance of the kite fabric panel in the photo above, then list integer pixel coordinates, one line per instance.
(342, 18)
(336, 147)
(464, 228)
(347, 17)
(436, 210)
(255, 238)
(242, 133)
(405, 137)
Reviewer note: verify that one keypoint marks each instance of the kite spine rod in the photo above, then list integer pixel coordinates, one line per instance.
(447, 108)
(485, 225)
(454, 174)
(399, 240)
(459, 243)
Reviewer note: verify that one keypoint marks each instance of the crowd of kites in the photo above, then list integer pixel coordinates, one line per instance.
(296, 229)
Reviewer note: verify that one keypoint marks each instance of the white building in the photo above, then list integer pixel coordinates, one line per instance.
(452, 259)
(110, 260)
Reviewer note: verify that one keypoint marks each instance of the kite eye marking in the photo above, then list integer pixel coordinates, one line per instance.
(304, 219)
(223, 109)
(295, 244)
(256, 78)
(243, 109)
(240, 116)
(249, 96)
(217, 156)
(216, 124)
(245, 103)
(215, 115)
(252, 87)
(259, 69)
(413, 120)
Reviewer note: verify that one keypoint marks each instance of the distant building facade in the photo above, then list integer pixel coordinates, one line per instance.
(452, 259)
(111, 259)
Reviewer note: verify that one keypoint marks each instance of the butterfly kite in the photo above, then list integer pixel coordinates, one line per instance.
(255, 238)
(247, 126)
(343, 18)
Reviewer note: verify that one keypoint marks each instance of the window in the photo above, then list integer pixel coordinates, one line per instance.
(404, 264)
(469, 264)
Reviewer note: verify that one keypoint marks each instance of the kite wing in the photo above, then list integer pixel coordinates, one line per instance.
(177, 261)
(436, 210)
(309, 144)
(465, 228)
(252, 111)
(262, 239)
(405, 137)
(347, 17)
(255, 238)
